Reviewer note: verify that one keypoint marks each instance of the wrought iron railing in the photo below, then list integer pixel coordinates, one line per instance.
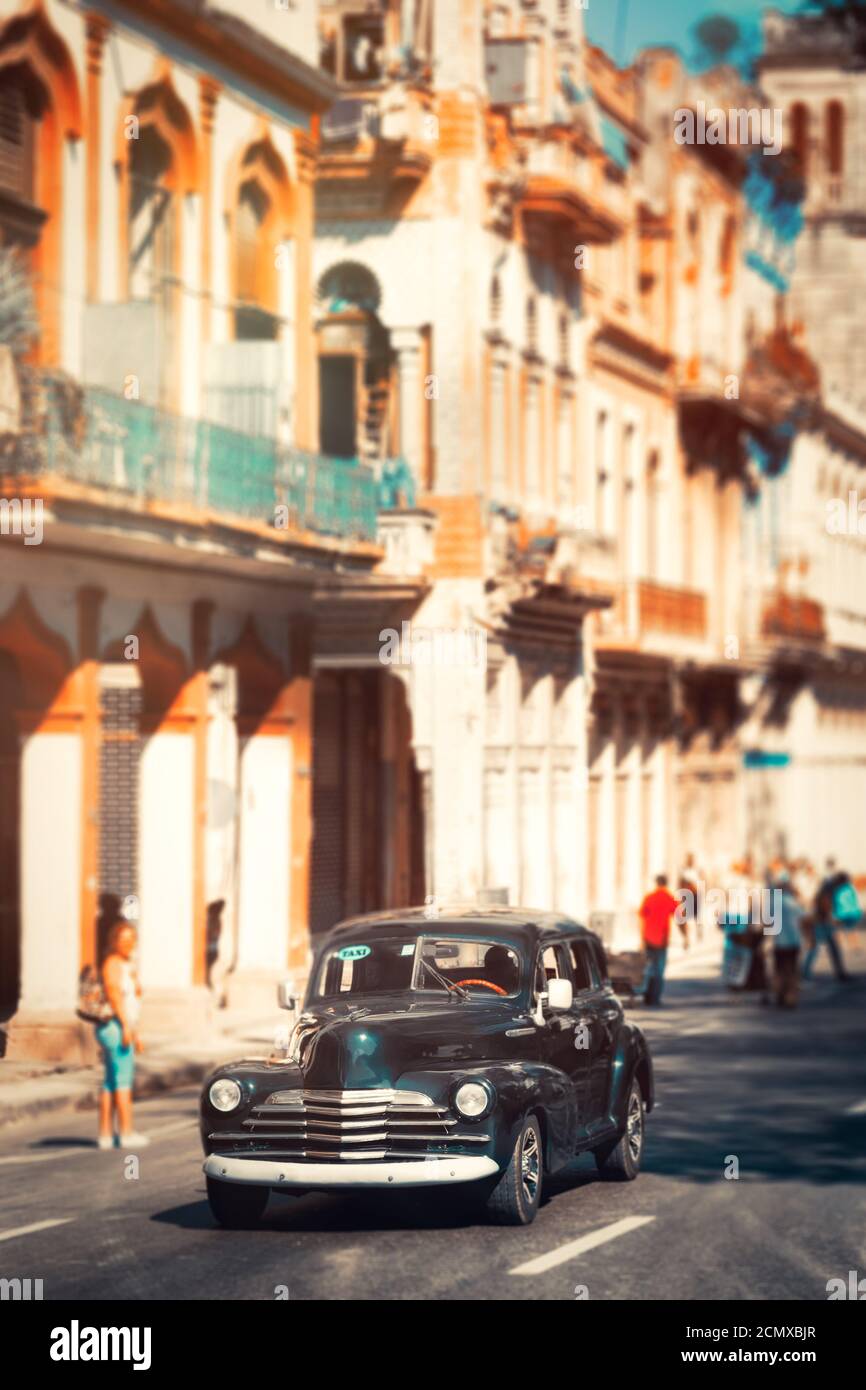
(137, 452)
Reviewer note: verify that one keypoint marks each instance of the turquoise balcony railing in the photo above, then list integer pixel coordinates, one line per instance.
(136, 451)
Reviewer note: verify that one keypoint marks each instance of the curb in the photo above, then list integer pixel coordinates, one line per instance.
(81, 1091)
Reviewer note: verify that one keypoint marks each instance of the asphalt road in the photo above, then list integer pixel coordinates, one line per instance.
(783, 1093)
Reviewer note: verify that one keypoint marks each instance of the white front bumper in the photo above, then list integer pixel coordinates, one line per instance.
(426, 1172)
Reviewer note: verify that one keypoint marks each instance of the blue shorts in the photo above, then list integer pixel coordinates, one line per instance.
(119, 1060)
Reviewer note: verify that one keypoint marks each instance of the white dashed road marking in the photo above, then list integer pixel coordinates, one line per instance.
(581, 1245)
(858, 1108)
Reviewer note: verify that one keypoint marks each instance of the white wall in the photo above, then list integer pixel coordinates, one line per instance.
(266, 772)
(50, 870)
(166, 860)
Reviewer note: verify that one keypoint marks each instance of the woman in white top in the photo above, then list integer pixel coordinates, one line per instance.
(118, 1038)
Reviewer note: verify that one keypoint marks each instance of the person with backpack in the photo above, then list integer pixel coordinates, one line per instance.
(836, 904)
(117, 1035)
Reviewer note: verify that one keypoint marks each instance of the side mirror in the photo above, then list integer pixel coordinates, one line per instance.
(560, 994)
(286, 997)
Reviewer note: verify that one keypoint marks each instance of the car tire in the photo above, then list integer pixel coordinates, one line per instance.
(515, 1198)
(234, 1206)
(620, 1161)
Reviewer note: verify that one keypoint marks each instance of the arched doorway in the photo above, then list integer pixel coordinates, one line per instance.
(357, 392)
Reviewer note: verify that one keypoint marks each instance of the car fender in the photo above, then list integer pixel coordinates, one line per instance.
(521, 1088)
(631, 1058)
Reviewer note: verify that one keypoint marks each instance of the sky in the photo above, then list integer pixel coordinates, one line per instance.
(668, 22)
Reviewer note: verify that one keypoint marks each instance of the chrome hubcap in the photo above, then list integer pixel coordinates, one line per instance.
(634, 1126)
(530, 1165)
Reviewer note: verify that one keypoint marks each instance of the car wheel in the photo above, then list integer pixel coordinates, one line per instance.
(514, 1200)
(236, 1207)
(621, 1161)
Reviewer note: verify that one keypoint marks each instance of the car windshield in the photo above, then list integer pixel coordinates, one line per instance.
(483, 969)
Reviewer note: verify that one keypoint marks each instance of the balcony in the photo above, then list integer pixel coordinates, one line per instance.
(381, 132)
(562, 183)
(144, 459)
(671, 611)
(655, 619)
(791, 618)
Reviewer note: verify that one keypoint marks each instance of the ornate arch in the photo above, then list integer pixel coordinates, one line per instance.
(259, 161)
(158, 106)
(49, 686)
(164, 673)
(32, 52)
(263, 692)
(30, 43)
(349, 283)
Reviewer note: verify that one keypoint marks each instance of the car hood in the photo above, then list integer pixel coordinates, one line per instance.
(373, 1043)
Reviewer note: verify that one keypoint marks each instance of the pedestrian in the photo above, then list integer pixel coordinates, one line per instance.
(804, 880)
(118, 1038)
(787, 941)
(690, 883)
(740, 920)
(656, 912)
(830, 895)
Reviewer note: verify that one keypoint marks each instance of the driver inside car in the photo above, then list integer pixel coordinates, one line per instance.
(500, 968)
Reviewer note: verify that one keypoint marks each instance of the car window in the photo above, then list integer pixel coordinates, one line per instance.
(361, 967)
(586, 974)
(484, 967)
(598, 952)
(552, 965)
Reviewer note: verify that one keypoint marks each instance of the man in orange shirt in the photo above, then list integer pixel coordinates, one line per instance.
(656, 912)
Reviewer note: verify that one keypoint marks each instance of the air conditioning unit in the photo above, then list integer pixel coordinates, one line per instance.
(512, 70)
(348, 120)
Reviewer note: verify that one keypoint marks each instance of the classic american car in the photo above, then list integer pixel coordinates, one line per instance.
(480, 1046)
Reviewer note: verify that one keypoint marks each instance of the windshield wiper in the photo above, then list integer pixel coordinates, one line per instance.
(449, 984)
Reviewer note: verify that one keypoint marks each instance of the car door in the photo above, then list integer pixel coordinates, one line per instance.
(595, 1025)
(554, 962)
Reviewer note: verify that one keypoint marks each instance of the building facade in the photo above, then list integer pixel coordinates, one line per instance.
(158, 643)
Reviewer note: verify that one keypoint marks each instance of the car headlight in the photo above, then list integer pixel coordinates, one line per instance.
(472, 1099)
(225, 1094)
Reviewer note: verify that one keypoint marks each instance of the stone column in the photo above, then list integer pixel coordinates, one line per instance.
(499, 849)
(498, 415)
(532, 479)
(408, 345)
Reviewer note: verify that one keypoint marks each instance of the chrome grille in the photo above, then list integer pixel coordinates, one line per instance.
(353, 1125)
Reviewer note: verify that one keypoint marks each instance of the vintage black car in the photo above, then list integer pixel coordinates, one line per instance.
(481, 1046)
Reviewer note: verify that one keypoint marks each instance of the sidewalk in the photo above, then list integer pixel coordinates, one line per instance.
(28, 1089)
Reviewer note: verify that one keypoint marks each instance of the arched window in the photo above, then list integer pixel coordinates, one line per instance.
(531, 325)
(727, 248)
(651, 564)
(835, 123)
(495, 302)
(16, 140)
(252, 319)
(564, 336)
(151, 215)
(799, 142)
